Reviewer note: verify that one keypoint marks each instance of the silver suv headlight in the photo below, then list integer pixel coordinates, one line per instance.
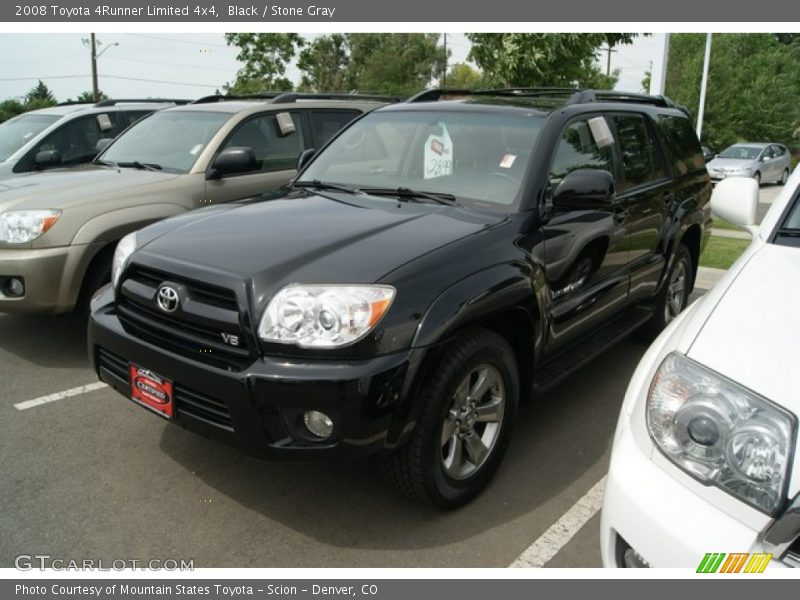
(122, 254)
(324, 316)
(22, 226)
(720, 432)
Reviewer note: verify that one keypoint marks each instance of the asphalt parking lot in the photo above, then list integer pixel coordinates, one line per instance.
(92, 475)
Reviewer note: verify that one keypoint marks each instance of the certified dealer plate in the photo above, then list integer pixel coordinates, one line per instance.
(152, 391)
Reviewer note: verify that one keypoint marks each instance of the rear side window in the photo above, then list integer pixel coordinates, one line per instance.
(327, 123)
(687, 155)
(641, 159)
(578, 149)
(276, 148)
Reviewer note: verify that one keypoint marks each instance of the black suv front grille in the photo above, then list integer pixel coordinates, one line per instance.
(206, 317)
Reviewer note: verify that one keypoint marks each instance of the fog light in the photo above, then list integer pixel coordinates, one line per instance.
(633, 560)
(14, 287)
(318, 423)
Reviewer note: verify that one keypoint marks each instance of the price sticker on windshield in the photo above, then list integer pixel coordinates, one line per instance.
(438, 154)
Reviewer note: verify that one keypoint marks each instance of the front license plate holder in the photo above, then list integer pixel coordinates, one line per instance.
(152, 391)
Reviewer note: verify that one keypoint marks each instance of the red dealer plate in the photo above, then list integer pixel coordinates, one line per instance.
(152, 391)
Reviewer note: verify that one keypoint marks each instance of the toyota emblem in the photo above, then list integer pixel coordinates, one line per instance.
(167, 298)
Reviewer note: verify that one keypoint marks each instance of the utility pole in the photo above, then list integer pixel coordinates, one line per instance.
(95, 86)
(608, 49)
(703, 86)
(93, 42)
(444, 73)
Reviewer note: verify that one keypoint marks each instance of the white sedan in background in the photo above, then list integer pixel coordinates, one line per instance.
(705, 457)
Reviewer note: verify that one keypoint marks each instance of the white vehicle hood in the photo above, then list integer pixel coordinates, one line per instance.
(752, 335)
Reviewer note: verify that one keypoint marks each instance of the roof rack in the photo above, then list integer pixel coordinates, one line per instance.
(289, 97)
(115, 101)
(572, 95)
(295, 96)
(585, 96)
(435, 94)
(223, 97)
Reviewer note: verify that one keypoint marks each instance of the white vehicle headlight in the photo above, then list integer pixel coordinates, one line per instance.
(21, 226)
(720, 432)
(125, 248)
(324, 316)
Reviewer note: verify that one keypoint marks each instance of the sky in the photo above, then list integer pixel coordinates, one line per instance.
(176, 65)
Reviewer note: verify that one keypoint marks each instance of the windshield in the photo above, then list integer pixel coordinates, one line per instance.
(479, 158)
(741, 152)
(17, 132)
(170, 140)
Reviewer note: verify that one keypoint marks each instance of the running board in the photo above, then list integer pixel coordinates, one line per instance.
(560, 367)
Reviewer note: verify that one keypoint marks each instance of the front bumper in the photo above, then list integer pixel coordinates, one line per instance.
(260, 408)
(662, 520)
(52, 277)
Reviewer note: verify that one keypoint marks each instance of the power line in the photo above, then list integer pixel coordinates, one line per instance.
(44, 77)
(201, 85)
(177, 41)
(158, 62)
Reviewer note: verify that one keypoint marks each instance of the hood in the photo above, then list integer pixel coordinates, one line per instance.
(65, 188)
(751, 335)
(730, 163)
(306, 238)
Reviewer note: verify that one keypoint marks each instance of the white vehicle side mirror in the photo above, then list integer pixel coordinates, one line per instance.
(735, 199)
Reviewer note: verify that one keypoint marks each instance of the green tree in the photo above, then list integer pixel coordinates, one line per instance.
(10, 108)
(39, 96)
(323, 64)
(265, 57)
(461, 75)
(544, 59)
(394, 63)
(753, 86)
(89, 96)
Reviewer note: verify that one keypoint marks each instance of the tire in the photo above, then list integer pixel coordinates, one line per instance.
(673, 296)
(434, 471)
(757, 177)
(97, 275)
(784, 177)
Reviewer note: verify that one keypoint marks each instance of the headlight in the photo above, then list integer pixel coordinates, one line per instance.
(21, 226)
(721, 433)
(324, 316)
(125, 248)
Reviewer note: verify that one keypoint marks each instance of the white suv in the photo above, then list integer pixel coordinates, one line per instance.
(705, 460)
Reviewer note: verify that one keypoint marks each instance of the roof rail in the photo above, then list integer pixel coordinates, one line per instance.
(289, 97)
(223, 97)
(435, 94)
(585, 96)
(115, 101)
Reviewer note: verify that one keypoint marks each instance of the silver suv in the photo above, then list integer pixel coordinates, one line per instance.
(59, 228)
(67, 134)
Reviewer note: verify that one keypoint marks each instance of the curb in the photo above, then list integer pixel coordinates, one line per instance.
(707, 277)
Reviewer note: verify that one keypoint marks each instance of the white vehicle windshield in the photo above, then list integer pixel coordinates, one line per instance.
(170, 140)
(17, 132)
(476, 157)
(741, 152)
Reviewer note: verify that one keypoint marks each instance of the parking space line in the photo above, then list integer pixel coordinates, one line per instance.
(76, 391)
(563, 530)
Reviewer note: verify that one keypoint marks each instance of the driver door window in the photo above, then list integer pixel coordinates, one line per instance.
(275, 149)
(76, 141)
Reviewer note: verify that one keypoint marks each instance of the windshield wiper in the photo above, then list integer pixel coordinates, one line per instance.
(408, 193)
(324, 185)
(106, 163)
(140, 165)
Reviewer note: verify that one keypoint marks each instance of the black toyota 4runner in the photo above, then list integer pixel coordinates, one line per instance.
(437, 262)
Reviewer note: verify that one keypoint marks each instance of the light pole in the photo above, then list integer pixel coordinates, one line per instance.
(92, 42)
(703, 86)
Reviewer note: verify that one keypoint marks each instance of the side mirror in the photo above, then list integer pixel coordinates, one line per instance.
(585, 189)
(237, 159)
(305, 157)
(102, 144)
(735, 199)
(47, 158)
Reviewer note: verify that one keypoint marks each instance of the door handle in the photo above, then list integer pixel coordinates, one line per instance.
(669, 199)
